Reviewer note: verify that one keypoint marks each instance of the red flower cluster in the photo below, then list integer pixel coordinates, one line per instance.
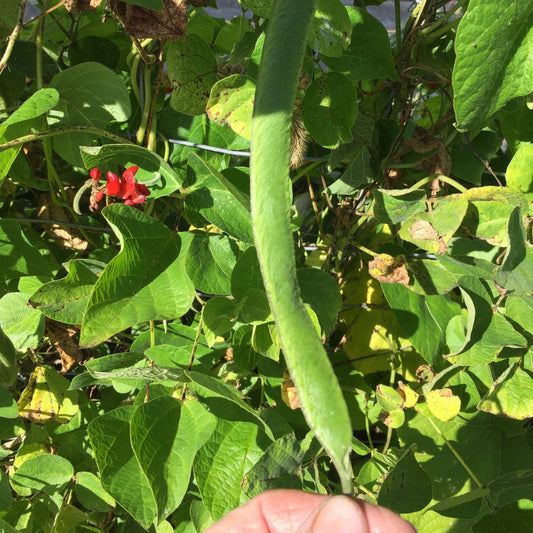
(124, 188)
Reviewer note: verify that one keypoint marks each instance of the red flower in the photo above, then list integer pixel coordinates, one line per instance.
(113, 184)
(95, 174)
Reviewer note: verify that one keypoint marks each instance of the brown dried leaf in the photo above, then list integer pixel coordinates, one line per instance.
(422, 229)
(62, 339)
(77, 6)
(389, 269)
(143, 23)
(288, 392)
(64, 236)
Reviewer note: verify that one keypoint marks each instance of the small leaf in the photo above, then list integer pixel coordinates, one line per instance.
(510, 395)
(218, 317)
(389, 398)
(191, 67)
(43, 470)
(394, 206)
(65, 300)
(519, 174)
(329, 109)
(91, 494)
(46, 398)
(443, 404)
(389, 269)
(231, 104)
(330, 28)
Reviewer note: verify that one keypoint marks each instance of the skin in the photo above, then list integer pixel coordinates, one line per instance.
(293, 511)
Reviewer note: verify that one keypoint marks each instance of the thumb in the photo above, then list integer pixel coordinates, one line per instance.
(342, 514)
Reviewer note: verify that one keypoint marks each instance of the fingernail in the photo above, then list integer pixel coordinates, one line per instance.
(341, 515)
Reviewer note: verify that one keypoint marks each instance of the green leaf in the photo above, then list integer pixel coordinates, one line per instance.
(21, 121)
(329, 108)
(278, 468)
(422, 318)
(519, 174)
(19, 257)
(431, 231)
(394, 206)
(246, 275)
(407, 488)
(218, 317)
(515, 516)
(222, 463)
(231, 102)
(9, 17)
(91, 494)
(209, 260)
(120, 472)
(511, 394)
(254, 308)
(8, 405)
(42, 471)
(8, 365)
(90, 94)
(192, 69)
(512, 486)
(23, 325)
(321, 292)
(151, 165)
(369, 55)
(514, 274)
(330, 28)
(259, 7)
(130, 288)
(65, 300)
(210, 194)
(516, 122)
(179, 432)
(389, 398)
(469, 160)
(492, 48)
(487, 332)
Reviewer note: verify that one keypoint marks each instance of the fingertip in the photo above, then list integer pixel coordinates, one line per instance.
(346, 515)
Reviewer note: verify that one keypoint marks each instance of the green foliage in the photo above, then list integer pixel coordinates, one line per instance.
(226, 325)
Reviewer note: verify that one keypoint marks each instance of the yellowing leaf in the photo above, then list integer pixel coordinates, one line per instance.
(288, 392)
(443, 404)
(47, 398)
(410, 397)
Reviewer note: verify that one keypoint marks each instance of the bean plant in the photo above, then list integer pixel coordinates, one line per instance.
(287, 250)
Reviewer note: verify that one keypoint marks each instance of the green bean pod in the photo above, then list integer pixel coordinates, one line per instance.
(320, 395)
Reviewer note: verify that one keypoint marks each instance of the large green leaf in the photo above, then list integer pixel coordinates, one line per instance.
(129, 290)
(209, 260)
(493, 51)
(221, 464)
(122, 476)
(43, 470)
(369, 54)
(89, 95)
(114, 156)
(178, 431)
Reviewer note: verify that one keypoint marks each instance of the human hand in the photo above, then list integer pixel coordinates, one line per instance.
(294, 511)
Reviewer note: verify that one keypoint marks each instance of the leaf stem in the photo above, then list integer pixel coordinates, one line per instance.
(441, 177)
(457, 456)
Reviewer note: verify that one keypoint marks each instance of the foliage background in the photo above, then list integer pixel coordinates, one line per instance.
(143, 385)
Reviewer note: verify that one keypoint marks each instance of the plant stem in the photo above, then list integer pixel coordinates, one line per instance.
(398, 24)
(13, 37)
(61, 131)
